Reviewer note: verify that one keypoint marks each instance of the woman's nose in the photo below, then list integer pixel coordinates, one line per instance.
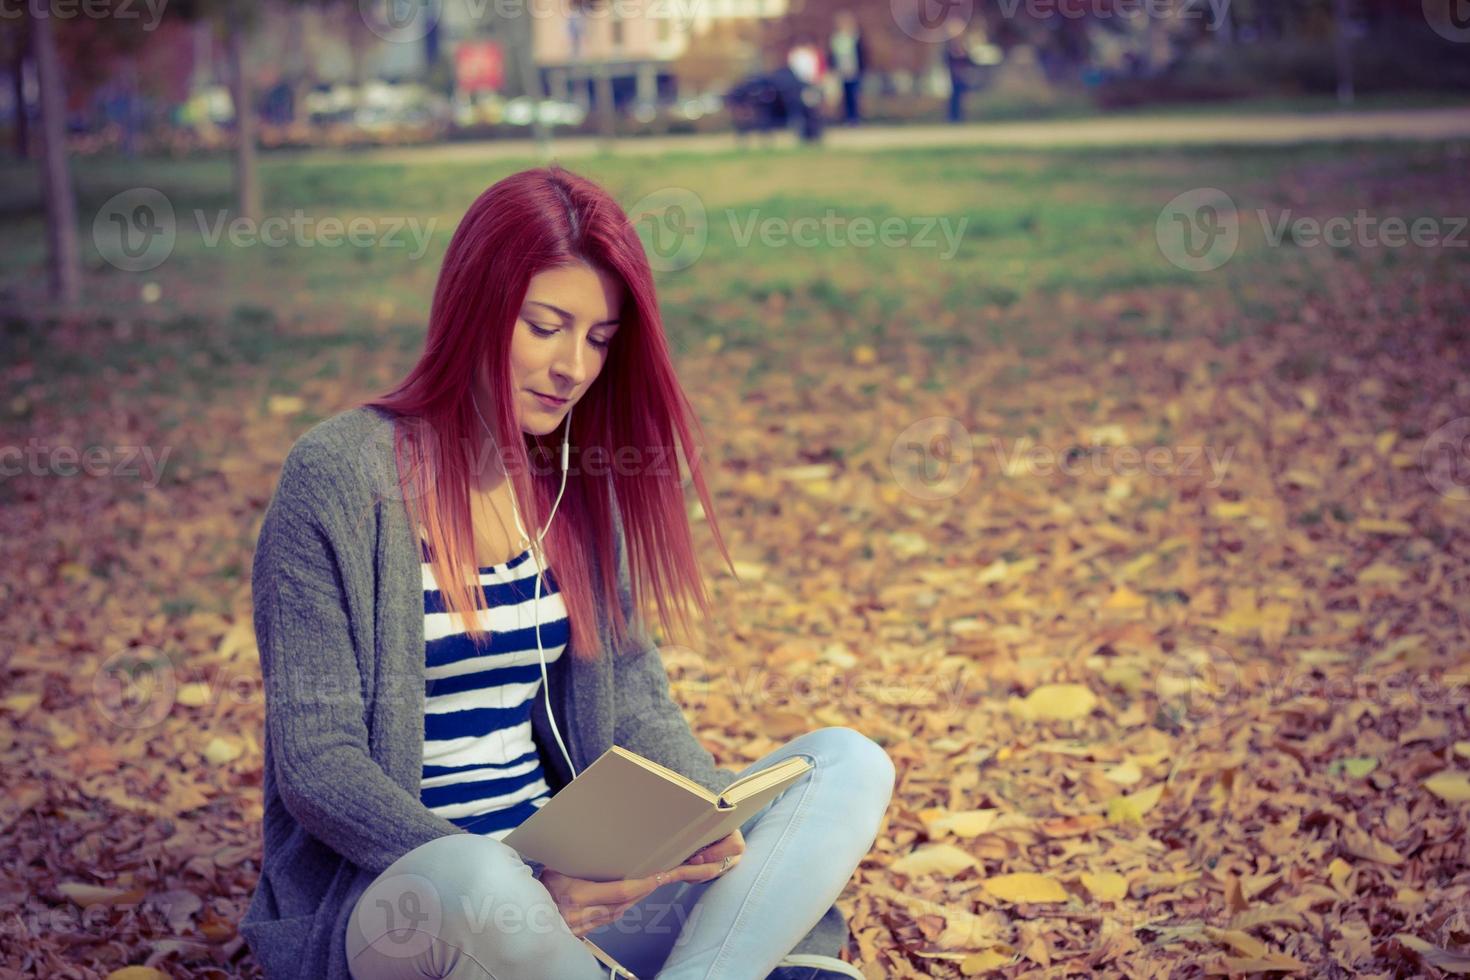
(571, 361)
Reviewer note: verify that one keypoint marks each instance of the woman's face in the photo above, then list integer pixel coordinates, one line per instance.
(560, 342)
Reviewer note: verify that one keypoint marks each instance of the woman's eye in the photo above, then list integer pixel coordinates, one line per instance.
(543, 332)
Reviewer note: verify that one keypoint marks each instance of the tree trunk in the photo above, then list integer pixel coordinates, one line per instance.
(61, 208)
(605, 120)
(525, 31)
(1343, 46)
(247, 185)
(22, 131)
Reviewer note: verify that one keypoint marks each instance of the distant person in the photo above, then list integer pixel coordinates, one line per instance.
(805, 66)
(848, 53)
(961, 69)
(805, 62)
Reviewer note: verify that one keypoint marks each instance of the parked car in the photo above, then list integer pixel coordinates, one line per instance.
(772, 101)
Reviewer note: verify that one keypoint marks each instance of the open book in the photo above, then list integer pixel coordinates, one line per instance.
(625, 816)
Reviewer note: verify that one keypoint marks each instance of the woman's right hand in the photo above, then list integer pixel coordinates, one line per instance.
(589, 905)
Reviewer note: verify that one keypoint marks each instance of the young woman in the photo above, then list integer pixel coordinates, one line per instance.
(446, 606)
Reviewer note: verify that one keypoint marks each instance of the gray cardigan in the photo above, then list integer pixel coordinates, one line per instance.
(339, 621)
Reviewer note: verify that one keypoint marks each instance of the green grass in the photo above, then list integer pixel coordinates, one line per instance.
(1074, 228)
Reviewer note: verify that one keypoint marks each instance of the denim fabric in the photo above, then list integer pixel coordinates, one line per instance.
(466, 907)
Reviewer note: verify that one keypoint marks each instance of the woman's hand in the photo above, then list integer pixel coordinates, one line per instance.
(589, 905)
(731, 846)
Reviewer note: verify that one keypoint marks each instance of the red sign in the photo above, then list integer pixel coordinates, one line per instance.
(479, 66)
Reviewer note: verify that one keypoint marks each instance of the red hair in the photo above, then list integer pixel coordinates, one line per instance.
(529, 222)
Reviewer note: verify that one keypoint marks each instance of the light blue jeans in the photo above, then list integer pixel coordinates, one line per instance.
(466, 907)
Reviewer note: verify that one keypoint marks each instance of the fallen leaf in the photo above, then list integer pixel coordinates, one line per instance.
(1025, 886)
(1055, 702)
(944, 859)
(1432, 954)
(1105, 886)
(1450, 786)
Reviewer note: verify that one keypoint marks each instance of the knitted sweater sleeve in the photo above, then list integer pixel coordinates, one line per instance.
(312, 574)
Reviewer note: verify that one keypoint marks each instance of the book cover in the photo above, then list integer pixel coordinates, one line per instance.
(626, 816)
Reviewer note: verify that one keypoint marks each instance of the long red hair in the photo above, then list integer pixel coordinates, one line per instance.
(531, 221)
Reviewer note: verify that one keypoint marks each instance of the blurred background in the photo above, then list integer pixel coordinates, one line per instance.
(1087, 406)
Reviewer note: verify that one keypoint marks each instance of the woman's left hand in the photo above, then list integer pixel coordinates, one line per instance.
(732, 847)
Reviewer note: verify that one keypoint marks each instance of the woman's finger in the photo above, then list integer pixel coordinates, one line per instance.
(730, 845)
(585, 918)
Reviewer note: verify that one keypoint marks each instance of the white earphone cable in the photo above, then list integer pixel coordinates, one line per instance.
(537, 554)
(540, 563)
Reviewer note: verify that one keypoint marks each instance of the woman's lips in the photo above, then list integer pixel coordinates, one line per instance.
(549, 401)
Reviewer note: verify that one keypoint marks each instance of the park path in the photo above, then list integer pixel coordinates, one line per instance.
(1244, 129)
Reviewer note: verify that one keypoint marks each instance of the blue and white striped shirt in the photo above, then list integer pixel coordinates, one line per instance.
(481, 770)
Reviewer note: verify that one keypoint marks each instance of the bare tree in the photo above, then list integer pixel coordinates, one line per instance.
(64, 267)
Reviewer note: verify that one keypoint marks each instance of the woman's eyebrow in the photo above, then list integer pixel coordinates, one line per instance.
(567, 316)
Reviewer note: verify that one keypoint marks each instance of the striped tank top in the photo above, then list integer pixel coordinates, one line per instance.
(481, 770)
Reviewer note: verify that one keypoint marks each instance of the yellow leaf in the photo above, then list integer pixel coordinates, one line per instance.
(1370, 848)
(1242, 942)
(21, 704)
(1125, 599)
(1126, 773)
(962, 823)
(1442, 958)
(221, 750)
(994, 572)
(1229, 509)
(945, 859)
(284, 404)
(749, 571)
(64, 736)
(863, 354)
(1130, 809)
(137, 973)
(1452, 787)
(1024, 886)
(1338, 873)
(977, 963)
(193, 695)
(1055, 702)
(1105, 886)
(1462, 749)
(1380, 573)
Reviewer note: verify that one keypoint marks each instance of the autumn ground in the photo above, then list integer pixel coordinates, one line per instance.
(1152, 581)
